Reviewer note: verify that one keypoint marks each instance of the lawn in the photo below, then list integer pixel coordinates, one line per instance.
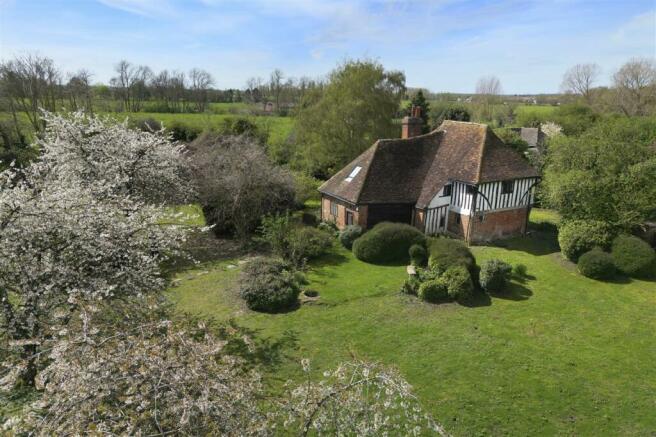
(556, 354)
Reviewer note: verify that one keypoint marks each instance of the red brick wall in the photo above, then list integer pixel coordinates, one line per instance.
(499, 224)
(459, 229)
(359, 213)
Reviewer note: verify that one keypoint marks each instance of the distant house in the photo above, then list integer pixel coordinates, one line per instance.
(459, 179)
(532, 135)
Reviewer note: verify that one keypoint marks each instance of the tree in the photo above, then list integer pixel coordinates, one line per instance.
(78, 90)
(443, 112)
(420, 101)
(30, 84)
(574, 118)
(276, 86)
(77, 227)
(237, 183)
(606, 174)
(635, 87)
(200, 81)
(488, 89)
(131, 84)
(356, 108)
(579, 80)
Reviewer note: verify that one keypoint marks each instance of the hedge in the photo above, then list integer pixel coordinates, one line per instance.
(448, 252)
(596, 264)
(579, 236)
(435, 291)
(495, 275)
(459, 283)
(349, 234)
(632, 255)
(387, 243)
(270, 284)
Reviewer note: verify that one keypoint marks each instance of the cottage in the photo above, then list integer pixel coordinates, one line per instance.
(459, 179)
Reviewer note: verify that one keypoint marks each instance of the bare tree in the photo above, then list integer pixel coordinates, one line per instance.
(635, 86)
(276, 86)
(488, 89)
(579, 80)
(78, 90)
(200, 81)
(130, 84)
(255, 89)
(30, 83)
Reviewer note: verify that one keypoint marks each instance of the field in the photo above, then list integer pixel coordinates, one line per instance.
(556, 354)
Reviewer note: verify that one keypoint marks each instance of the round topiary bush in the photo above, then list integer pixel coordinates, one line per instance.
(435, 291)
(520, 270)
(270, 284)
(459, 283)
(417, 255)
(387, 243)
(632, 255)
(448, 252)
(579, 236)
(596, 264)
(349, 234)
(495, 275)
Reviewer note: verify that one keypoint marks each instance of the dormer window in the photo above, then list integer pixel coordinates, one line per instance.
(353, 173)
(446, 191)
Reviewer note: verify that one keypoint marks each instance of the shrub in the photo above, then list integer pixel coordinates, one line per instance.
(292, 242)
(520, 270)
(329, 227)
(270, 284)
(411, 285)
(458, 282)
(579, 236)
(447, 252)
(417, 255)
(632, 255)
(304, 243)
(596, 264)
(349, 234)
(183, 132)
(309, 219)
(495, 275)
(387, 242)
(434, 291)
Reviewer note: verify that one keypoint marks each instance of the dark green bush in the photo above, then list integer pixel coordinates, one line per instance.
(447, 252)
(387, 242)
(597, 264)
(329, 227)
(520, 270)
(495, 275)
(349, 234)
(309, 219)
(418, 255)
(579, 236)
(435, 290)
(270, 284)
(292, 242)
(632, 255)
(459, 283)
(183, 132)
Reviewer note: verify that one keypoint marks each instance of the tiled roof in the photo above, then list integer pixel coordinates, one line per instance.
(413, 170)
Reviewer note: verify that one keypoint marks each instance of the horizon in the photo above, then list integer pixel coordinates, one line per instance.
(527, 44)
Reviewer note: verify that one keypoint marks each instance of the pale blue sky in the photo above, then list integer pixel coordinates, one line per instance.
(444, 45)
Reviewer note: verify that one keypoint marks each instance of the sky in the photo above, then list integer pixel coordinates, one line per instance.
(442, 45)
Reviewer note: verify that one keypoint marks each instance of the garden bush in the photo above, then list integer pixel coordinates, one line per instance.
(293, 242)
(632, 255)
(596, 264)
(417, 255)
(434, 291)
(387, 243)
(270, 284)
(411, 285)
(349, 234)
(309, 219)
(447, 252)
(495, 275)
(329, 227)
(579, 236)
(520, 270)
(458, 282)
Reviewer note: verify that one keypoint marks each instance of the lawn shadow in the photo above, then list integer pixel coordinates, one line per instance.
(536, 243)
(514, 291)
(331, 258)
(479, 299)
(258, 350)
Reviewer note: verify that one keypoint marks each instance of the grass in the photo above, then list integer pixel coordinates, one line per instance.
(555, 354)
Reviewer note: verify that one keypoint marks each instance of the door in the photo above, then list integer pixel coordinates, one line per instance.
(349, 218)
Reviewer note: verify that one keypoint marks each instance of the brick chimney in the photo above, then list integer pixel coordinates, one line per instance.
(411, 126)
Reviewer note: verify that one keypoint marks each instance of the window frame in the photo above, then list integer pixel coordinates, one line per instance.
(334, 210)
(444, 190)
(506, 184)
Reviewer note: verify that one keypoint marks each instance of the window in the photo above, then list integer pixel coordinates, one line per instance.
(471, 189)
(349, 218)
(353, 173)
(333, 209)
(446, 191)
(507, 187)
(458, 218)
(442, 221)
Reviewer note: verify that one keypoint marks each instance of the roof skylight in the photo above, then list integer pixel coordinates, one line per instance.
(353, 174)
